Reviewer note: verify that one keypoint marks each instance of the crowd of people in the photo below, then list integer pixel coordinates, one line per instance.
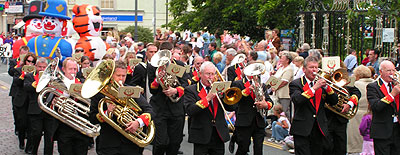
(297, 114)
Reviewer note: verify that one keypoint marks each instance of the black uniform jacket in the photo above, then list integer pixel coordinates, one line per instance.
(246, 112)
(161, 104)
(383, 110)
(305, 114)
(21, 95)
(30, 83)
(13, 71)
(138, 77)
(109, 137)
(203, 120)
(231, 73)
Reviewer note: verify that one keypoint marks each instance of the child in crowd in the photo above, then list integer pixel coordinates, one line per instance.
(280, 128)
(365, 128)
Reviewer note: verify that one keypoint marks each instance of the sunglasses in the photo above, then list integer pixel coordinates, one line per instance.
(33, 61)
(79, 50)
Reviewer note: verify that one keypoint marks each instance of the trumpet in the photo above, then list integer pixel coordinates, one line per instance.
(395, 77)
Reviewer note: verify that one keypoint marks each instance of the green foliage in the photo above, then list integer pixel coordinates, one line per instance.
(144, 34)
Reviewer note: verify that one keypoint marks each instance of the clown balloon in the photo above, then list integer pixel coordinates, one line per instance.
(54, 20)
(33, 26)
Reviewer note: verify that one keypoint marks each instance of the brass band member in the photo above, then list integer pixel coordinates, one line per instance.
(110, 141)
(195, 69)
(310, 126)
(383, 97)
(208, 130)
(249, 123)
(39, 121)
(136, 75)
(69, 140)
(169, 119)
(20, 102)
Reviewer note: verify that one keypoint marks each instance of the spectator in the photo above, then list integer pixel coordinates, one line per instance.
(366, 59)
(274, 57)
(351, 61)
(109, 37)
(298, 61)
(280, 128)
(158, 36)
(268, 69)
(213, 49)
(365, 128)
(304, 48)
(363, 78)
(275, 39)
(217, 59)
(373, 60)
(260, 48)
(285, 74)
(199, 43)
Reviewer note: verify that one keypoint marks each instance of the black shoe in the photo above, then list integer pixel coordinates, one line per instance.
(180, 152)
(231, 146)
(21, 146)
(29, 149)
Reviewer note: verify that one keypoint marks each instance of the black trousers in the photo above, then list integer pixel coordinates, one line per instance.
(42, 123)
(22, 122)
(214, 147)
(70, 141)
(168, 135)
(123, 149)
(338, 137)
(310, 145)
(244, 135)
(390, 146)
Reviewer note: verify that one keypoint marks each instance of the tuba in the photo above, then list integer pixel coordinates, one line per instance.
(256, 70)
(62, 107)
(337, 80)
(126, 110)
(161, 60)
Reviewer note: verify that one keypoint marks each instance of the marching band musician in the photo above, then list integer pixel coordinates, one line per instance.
(169, 119)
(383, 98)
(136, 75)
(70, 141)
(234, 72)
(20, 102)
(39, 121)
(15, 63)
(195, 69)
(110, 141)
(310, 125)
(208, 130)
(249, 123)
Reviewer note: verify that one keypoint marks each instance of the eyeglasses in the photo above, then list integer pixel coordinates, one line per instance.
(31, 61)
(79, 50)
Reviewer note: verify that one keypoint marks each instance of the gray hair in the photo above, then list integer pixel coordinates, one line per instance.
(310, 59)
(231, 51)
(305, 47)
(41, 60)
(315, 53)
(206, 64)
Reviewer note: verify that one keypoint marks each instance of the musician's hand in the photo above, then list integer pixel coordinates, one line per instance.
(273, 89)
(320, 83)
(251, 87)
(210, 96)
(110, 107)
(161, 73)
(346, 108)
(170, 91)
(395, 90)
(132, 126)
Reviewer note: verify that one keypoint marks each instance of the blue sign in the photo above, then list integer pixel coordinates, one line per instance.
(121, 18)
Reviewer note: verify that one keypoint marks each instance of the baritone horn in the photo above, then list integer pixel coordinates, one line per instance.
(337, 80)
(255, 71)
(62, 107)
(126, 110)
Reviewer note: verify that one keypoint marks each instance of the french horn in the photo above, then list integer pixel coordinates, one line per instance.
(62, 107)
(126, 110)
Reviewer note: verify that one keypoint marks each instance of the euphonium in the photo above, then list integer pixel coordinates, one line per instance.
(161, 60)
(126, 110)
(337, 80)
(62, 107)
(255, 70)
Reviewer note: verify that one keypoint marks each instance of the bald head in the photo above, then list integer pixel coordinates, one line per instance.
(387, 69)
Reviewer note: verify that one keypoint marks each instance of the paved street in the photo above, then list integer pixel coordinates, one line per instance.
(9, 142)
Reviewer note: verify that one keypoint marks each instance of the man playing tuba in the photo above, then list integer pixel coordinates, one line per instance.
(110, 140)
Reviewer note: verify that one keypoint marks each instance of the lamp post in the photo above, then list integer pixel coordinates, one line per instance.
(136, 19)
(166, 19)
(155, 18)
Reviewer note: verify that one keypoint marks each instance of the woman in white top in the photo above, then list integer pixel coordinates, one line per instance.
(298, 61)
(285, 74)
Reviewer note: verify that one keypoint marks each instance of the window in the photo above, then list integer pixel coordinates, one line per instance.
(107, 4)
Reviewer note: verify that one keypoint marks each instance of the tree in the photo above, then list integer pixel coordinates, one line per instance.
(244, 17)
(144, 34)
